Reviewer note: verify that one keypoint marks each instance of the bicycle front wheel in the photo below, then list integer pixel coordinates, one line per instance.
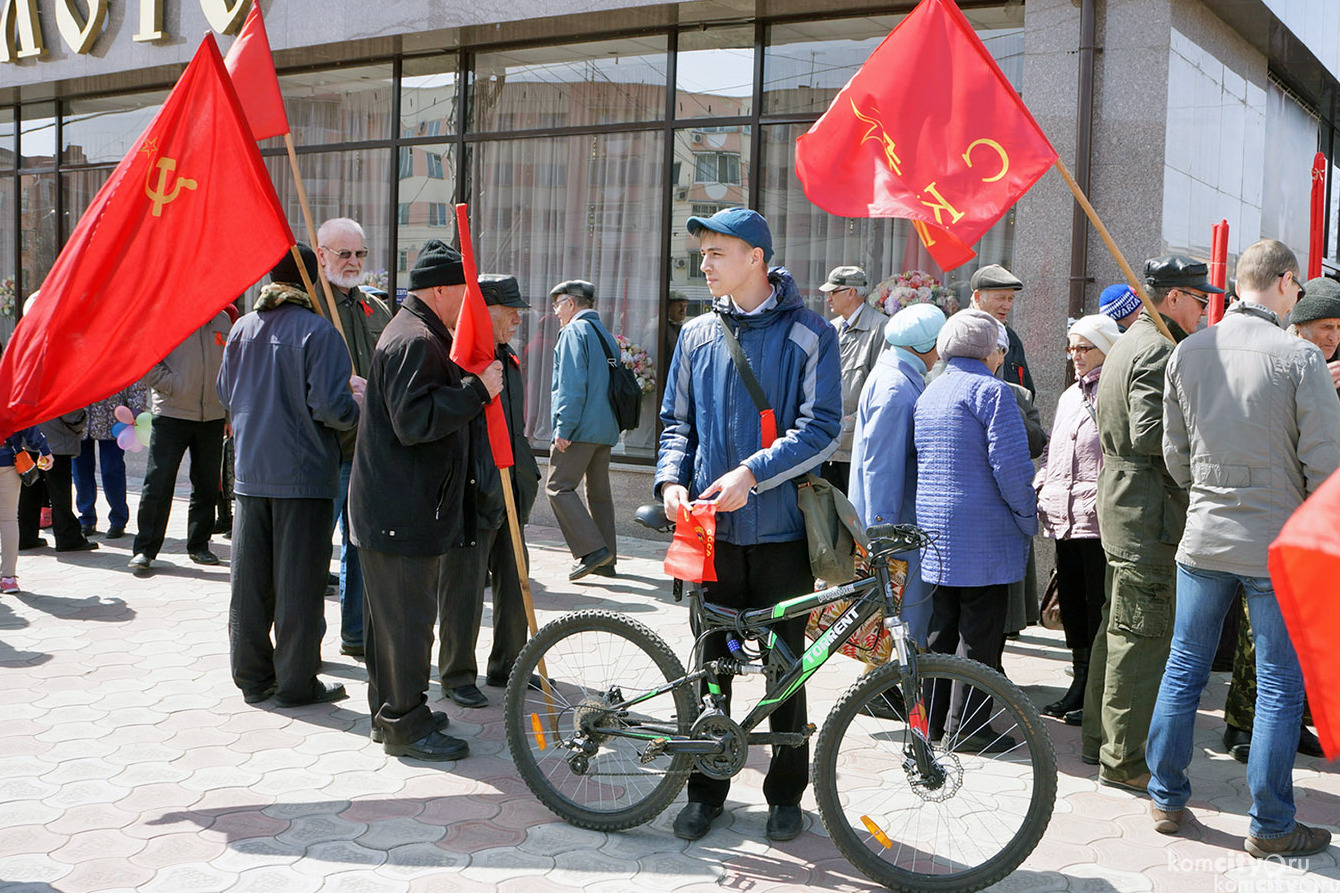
(974, 816)
(594, 764)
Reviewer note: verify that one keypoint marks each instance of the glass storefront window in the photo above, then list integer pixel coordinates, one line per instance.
(711, 173)
(9, 268)
(104, 130)
(8, 160)
(39, 241)
(345, 105)
(715, 73)
(806, 64)
(428, 96)
(574, 85)
(427, 202)
(37, 135)
(580, 207)
(343, 184)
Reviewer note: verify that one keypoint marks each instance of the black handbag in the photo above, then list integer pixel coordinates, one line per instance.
(625, 392)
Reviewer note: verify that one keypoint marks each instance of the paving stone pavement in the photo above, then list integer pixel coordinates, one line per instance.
(128, 761)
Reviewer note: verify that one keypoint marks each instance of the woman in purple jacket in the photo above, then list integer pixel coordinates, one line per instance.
(1067, 487)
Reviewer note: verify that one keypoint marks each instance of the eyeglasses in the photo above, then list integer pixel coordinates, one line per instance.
(1302, 292)
(345, 253)
(1079, 350)
(1203, 300)
(560, 299)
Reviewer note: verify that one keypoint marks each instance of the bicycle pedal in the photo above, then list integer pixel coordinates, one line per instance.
(654, 749)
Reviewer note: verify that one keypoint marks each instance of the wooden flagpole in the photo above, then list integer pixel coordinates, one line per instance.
(1136, 283)
(311, 239)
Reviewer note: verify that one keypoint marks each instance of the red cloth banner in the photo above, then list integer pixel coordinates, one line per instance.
(692, 553)
(1304, 565)
(252, 68)
(472, 344)
(929, 129)
(1316, 245)
(141, 270)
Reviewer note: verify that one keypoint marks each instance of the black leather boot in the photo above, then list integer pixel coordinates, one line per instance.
(1073, 699)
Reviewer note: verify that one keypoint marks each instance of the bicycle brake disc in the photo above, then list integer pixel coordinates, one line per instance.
(734, 746)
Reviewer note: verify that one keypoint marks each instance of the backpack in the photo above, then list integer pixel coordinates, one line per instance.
(625, 393)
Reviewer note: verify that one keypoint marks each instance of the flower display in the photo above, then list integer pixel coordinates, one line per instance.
(636, 358)
(913, 287)
(377, 279)
(8, 297)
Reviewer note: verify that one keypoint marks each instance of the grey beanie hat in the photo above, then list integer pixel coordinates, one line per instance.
(1322, 301)
(970, 333)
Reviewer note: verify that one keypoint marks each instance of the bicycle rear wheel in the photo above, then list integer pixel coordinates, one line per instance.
(973, 821)
(594, 766)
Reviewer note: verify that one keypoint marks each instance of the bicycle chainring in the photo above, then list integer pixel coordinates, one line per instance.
(735, 746)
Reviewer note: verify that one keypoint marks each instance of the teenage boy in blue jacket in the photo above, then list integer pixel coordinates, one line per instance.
(716, 445)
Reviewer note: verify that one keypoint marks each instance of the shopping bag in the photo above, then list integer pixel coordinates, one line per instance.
(691, 555)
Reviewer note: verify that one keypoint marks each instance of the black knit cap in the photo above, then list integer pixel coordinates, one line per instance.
(286, 271)
(438, 264)
(1322, 301)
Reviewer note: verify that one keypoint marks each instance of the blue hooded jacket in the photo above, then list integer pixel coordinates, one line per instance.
(711, 425)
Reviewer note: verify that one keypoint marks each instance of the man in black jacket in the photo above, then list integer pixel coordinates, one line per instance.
(460, 587)
(407, 497)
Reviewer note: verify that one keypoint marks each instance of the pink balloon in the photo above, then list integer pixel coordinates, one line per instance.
(127, 441)
(123, 414)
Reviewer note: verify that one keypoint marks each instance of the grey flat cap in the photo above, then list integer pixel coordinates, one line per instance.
(845, 277)
(994, 276)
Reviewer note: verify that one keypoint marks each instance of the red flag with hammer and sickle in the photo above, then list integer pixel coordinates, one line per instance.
(929, 129)
(187, 222)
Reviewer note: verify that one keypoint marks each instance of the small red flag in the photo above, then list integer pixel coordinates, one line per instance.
(692, 553)
(139, 272)
(1304, 565)
(473, 346)
(1316, 247)
(929, 129)
(252, 67)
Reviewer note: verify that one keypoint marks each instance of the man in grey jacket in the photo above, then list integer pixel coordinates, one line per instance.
(187, 417)
(860, 329)
(1251, 427)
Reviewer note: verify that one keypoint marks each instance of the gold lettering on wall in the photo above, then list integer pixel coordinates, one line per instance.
(20, 31)
(151, 21)
(77, 32)
(224, 17)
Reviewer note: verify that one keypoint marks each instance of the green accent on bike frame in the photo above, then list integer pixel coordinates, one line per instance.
(714, 688)
(814, 657)
(781, 607)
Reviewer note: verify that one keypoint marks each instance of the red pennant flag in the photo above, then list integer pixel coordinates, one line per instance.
(252, 67)
(1304, 565)
(473, 347)
(929, 129)
(139, 272)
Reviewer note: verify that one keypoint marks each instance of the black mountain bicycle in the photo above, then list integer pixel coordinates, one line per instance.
(950, 793)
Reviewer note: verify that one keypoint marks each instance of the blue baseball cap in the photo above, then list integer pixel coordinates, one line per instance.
(741, 223)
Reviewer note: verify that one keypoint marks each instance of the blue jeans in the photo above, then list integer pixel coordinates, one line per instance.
(1203, 598)
(113, 461)
(351, 572)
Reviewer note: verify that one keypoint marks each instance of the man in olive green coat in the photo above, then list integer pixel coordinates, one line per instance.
(1141, 513)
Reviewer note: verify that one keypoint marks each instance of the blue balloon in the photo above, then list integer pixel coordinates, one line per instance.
(117, 428)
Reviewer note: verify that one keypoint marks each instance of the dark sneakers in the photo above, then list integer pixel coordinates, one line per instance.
(695, 820)
(434, 746)
(1301, 841)
(588, 563)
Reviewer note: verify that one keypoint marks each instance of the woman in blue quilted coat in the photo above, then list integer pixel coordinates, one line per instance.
(975, 492)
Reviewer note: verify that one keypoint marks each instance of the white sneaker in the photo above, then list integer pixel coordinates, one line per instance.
(9, 585)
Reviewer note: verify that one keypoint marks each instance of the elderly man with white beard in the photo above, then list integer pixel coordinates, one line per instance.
(342, 251)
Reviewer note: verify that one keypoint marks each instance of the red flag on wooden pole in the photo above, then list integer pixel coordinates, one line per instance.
(251, 65)
(139, 274)
(929, 129)
(1316, 245)
(1304, 565)
(473, 346)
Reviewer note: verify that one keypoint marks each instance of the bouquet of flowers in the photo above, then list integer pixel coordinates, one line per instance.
(8, 297)
(378, 279)
(636, 358)
(913, 287)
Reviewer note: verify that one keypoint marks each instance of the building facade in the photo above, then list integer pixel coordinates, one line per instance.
(583, 133)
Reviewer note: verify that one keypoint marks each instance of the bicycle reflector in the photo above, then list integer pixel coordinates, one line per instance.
(538, 728)
(876, 832)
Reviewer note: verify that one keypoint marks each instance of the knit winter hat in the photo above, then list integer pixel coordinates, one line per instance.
(1322, 301)
(915, 327)
(1118, 301)
(970, 333)
(286, 271)
(1099, 329)
(438, 264)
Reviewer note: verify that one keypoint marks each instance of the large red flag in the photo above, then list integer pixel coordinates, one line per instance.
(929, 129)
(187, 222)
(1316, 247)
(473, 346)
(252, 67)
(1304, 565)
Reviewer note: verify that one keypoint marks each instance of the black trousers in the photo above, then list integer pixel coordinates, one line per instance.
(399, 614)
(279, 561)
(1081, 569)
(57, 485)
(759, 577)
(968, 621)
(169, 440)
(460, 607)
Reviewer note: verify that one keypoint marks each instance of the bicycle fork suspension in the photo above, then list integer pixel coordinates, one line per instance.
(918, 749)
